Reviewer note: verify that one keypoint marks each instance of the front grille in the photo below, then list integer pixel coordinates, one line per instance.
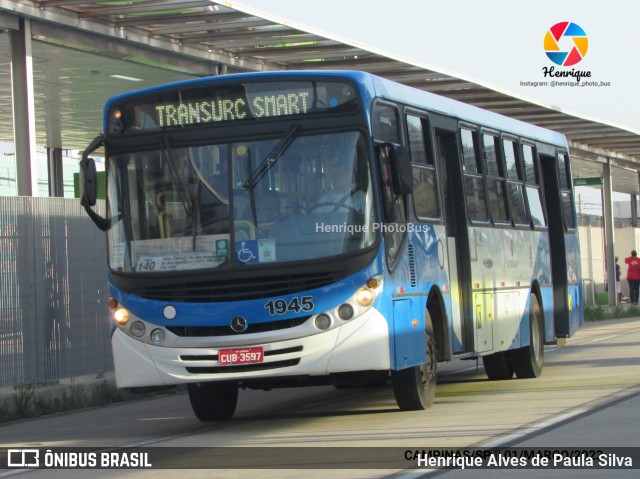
(209, 331)
(229, 289)
(243, 368)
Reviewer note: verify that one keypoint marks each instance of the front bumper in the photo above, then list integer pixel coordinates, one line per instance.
(358, 345)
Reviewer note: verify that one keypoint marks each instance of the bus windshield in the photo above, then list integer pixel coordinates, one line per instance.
(297, 197)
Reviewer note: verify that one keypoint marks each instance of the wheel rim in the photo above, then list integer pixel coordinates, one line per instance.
(427, 371)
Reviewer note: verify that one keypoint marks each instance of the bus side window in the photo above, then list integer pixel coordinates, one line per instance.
(515, 187)
(425, 187)
(386, 127)
(534, 195)
(565, 191)
(495, 179)
(473, 180)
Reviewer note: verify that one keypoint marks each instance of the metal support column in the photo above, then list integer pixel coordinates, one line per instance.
(24, 128)
(607, 209)
(54, 167)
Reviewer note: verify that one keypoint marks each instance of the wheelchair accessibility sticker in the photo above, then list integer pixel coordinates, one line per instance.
(256, 251)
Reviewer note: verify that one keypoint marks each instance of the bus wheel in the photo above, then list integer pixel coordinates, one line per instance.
(415, 388)
(213, 401)
(527, 362)
(498, 366)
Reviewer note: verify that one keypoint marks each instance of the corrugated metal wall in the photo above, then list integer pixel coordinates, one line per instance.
(53, 291)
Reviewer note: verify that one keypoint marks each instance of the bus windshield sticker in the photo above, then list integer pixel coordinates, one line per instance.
(256, 251)
(178, 262)
(267, 250)
(173, 254)
(247, 251)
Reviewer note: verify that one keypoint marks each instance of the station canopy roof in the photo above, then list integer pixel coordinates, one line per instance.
(86, 51)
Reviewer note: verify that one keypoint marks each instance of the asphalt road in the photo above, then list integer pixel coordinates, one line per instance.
(587, 396)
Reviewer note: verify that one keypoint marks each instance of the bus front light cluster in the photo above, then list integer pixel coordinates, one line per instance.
(355, 306)
(135, 327)
(364, 298)
(119, 314)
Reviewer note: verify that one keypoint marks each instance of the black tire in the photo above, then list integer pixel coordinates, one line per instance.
(498, 366)
(528, 362)
(213, 401)
(415, 388)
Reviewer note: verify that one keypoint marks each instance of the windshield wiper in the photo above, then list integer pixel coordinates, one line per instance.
(186, 201)
(252, 194)
(272, 158)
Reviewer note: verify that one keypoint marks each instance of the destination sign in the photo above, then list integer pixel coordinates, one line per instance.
(198, 105)
(231, 109)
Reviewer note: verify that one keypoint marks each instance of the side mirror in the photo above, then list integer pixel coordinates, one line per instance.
(402, 173)
(88, 182)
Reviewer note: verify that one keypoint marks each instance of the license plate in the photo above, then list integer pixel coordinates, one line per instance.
(240, 356)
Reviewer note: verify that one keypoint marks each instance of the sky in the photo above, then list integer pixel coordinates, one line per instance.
(497, 43)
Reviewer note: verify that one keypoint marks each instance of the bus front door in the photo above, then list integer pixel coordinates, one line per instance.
(556, 246)
(457, 240)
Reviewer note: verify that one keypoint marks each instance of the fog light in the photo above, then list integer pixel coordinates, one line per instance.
(157, 336)
(121, 316)
(137, 329)
(323, 321)
(345, 312)
(364, 297)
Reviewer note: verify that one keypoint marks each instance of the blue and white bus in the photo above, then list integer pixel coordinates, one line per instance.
(309, 228)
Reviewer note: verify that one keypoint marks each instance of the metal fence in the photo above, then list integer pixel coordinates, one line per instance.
(53, 291)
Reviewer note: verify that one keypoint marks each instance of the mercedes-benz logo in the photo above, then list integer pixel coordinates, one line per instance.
(239, 324)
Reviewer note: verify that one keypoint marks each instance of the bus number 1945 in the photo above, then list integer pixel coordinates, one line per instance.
(280, 306)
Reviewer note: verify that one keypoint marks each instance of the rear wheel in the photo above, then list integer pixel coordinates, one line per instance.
(498, 366)
(527, 362)
(213, 401)
(415, 388)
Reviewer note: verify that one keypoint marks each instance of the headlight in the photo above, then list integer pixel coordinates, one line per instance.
(364, 297)
(137, 328)
(121, 316)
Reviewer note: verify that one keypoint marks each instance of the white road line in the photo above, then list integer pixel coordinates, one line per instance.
(415, 473)
(535, 428)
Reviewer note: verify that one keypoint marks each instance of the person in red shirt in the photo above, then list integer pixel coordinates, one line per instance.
(633, 275)
(618, 286)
